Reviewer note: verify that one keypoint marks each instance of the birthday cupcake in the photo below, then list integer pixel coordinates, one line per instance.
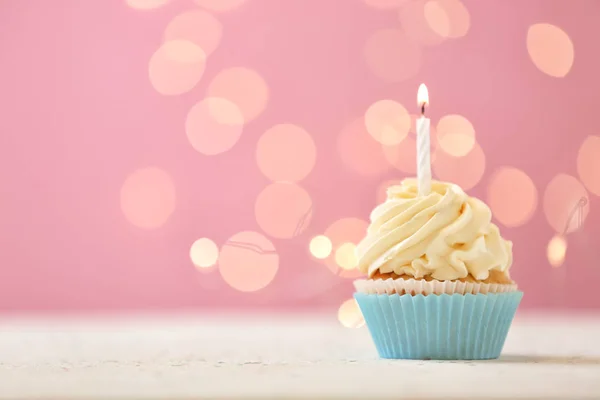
(438, 283)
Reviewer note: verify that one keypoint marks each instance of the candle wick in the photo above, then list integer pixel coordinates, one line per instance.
(423, 109)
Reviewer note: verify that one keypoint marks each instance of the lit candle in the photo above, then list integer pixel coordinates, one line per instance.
(423, 144)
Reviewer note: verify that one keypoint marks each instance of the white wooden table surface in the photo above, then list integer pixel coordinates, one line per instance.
(545, 357)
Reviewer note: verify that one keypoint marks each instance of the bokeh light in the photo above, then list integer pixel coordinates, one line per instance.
(244, 87)
(387, 121)
(566, 204)
(176, 67)
(384, 4)
(550, 49)
(512, 196)
(220, 5)
(283, 210)
(320, 247)
(286, 152)
(455, 135)
(248, 261)
(359, 151)
(392, 56)
(464, 171)
(447, 18)
(204, 253)
(148, 197)
(345, 256)
(588, 164)
(403, 156)
(146, 4)
(349, 314)
(556, 251)
(436, 18)
(198, 27)
(414, 22)
(213, 125)
(342, 232)
(381, 192)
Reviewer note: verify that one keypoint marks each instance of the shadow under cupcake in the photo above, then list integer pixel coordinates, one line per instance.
(438, 285)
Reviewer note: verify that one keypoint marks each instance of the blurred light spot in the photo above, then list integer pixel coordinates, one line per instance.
(146, 4)
(403, 156)
(588, 164)
(436, 18)
(414, 22)
(512, 196)
(176, 67)
(381, 192)
(345, 256)
(220, 5)
(565, 204)
(286, 152)
(204, 253)
(464, 171)
(345, 231)
(148, 197)
(455, 135)
(349, 314)
(391, 56)
(384, 4)
(213, 125)
(460, 19)
(248, 261)
(387, 121)
(244, 87)
(556, 251)
(198, 27)
(359, 151)
(283, 210)
(550, 49)
(320, 246)
(447, 18)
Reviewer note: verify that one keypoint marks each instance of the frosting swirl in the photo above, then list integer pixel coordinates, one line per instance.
(446, 234)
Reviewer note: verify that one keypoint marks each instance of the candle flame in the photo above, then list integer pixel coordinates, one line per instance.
(422, 96)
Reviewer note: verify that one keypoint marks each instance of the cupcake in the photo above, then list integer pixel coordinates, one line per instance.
(438, 283)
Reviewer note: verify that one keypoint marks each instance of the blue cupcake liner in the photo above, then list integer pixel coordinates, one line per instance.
(439, 327)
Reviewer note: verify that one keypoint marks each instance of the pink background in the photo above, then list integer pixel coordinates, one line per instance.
(80, 114)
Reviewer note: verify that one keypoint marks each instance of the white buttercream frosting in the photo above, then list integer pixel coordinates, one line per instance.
(446, 234)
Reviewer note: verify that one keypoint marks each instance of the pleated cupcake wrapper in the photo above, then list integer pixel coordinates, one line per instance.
(439, 327)
(421, 286)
